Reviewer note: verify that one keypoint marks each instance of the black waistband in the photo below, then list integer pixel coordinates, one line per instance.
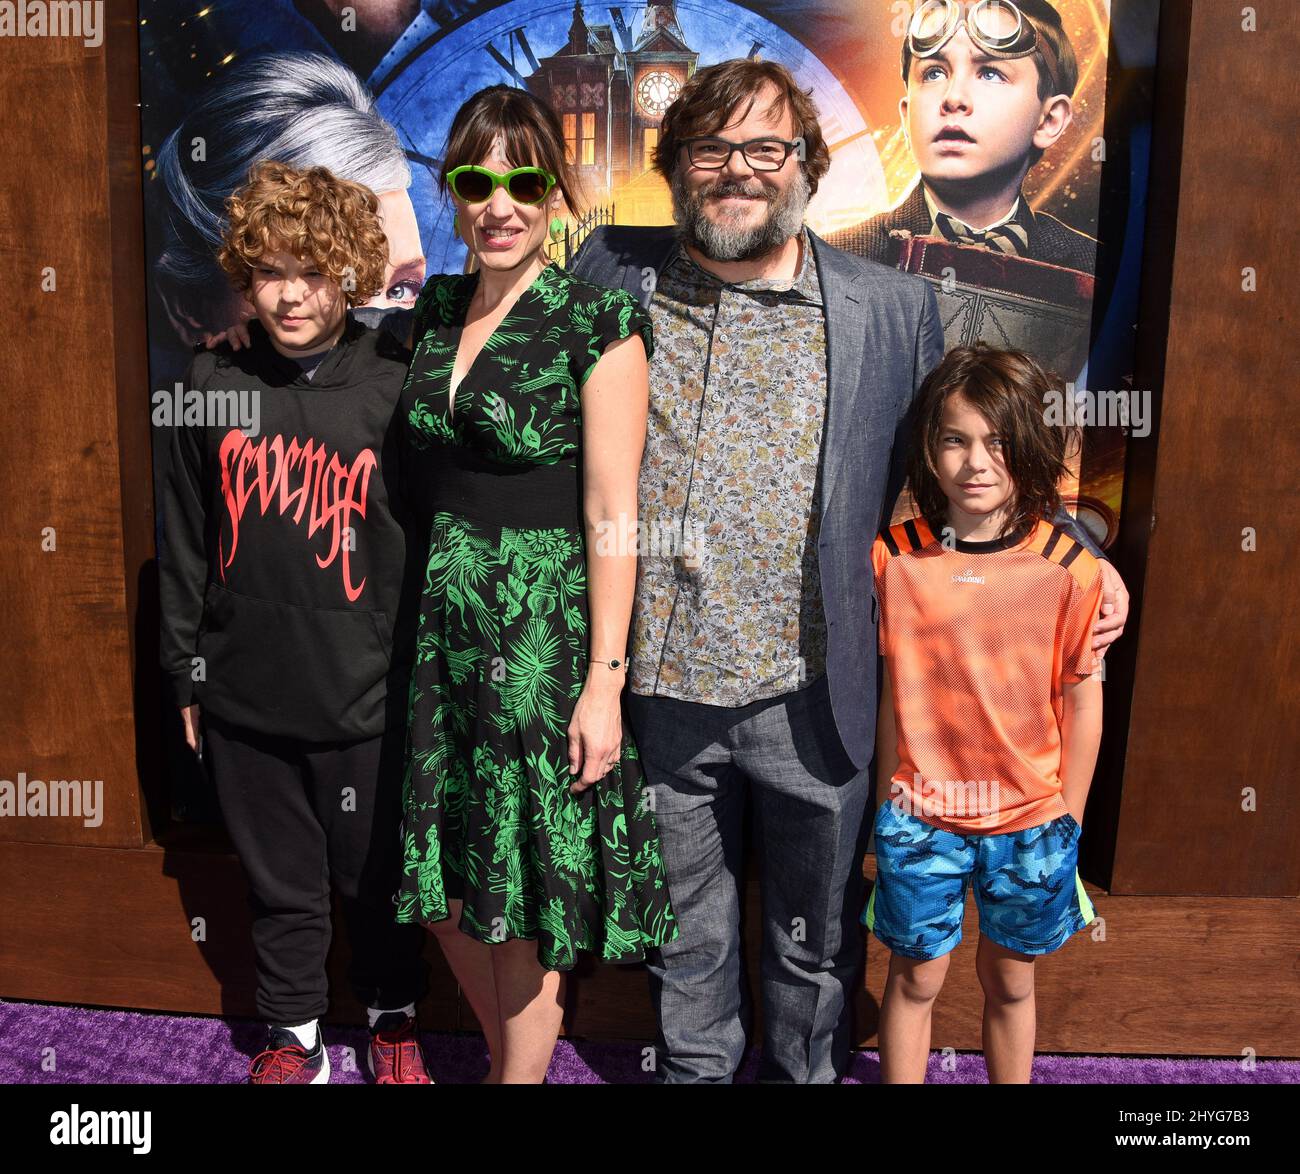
(527, 497)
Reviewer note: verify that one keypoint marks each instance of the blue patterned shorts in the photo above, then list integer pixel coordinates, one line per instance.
(1027, 885)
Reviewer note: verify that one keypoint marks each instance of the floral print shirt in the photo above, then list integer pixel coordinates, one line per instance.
(728, 607)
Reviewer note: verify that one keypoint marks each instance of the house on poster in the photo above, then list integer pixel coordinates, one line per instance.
(611, 92)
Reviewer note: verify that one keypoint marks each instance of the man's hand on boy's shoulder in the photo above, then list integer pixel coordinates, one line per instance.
(1114, 608)
(237, 336)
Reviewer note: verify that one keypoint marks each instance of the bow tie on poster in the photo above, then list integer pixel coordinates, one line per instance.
(1010, 238)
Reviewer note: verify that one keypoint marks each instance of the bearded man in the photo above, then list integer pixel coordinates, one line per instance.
(780, 387)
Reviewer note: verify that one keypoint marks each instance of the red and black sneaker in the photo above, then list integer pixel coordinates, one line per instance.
(394, 1056)
(286, 1061)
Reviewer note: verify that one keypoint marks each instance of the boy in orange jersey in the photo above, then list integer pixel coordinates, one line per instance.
(990, 712)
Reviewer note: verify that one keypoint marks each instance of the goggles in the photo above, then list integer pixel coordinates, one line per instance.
(524, 185)
(997, 27)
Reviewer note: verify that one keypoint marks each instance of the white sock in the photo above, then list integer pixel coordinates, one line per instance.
(306, 1034)
(373, 1013)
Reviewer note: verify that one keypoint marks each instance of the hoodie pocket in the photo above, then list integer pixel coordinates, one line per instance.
(317, 674)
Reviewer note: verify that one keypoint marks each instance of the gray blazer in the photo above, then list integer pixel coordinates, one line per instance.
(883, 336)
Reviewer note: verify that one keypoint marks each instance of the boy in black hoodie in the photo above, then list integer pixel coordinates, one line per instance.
(288, 608)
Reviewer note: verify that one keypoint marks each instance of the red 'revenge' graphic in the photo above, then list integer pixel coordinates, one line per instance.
(296, 476)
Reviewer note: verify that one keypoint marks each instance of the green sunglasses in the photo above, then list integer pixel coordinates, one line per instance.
(524, 185)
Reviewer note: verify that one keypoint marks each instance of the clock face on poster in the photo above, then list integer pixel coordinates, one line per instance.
(655, 92)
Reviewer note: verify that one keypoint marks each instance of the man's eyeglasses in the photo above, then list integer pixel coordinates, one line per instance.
(712, 153)
(524, 185)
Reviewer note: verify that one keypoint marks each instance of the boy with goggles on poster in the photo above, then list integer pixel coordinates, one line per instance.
(989, 88)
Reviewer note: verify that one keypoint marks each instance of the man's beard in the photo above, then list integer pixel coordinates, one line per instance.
(729, 240)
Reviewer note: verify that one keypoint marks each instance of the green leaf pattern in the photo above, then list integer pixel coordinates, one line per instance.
(501, 655)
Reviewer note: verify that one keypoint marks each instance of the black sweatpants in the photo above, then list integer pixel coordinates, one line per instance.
(305, 816)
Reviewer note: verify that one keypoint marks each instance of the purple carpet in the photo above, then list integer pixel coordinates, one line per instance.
(47, 1044)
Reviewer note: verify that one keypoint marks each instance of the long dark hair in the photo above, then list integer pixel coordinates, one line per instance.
(527, 126)
(1012, 391)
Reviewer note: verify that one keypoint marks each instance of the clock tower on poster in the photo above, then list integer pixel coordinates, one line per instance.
(610, 90)
(658, 65)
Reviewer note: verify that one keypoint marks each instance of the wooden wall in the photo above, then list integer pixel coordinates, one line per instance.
(75, 473)
(1215, 654)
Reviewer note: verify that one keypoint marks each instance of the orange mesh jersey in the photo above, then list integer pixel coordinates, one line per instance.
(979, 640)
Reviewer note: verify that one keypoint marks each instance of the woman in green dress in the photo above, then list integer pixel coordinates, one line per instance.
(528, 834)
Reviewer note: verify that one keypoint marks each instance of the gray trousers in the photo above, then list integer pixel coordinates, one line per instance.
(701, 761)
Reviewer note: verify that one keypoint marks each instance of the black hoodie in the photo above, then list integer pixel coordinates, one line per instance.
(289, 558)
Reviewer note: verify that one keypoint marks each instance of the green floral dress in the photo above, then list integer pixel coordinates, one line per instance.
(502, 647)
